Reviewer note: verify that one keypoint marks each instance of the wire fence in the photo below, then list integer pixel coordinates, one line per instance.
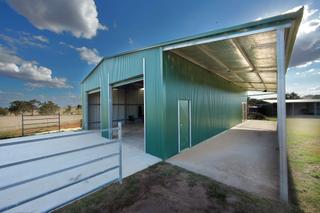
(31, 124)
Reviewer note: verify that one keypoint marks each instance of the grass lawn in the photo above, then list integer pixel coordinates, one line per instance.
(304, 162)
(167, 188)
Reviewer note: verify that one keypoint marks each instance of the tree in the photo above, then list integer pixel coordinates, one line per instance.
(255, 102)
(3, 111)
(34, 105)
(68, 109)
(17, 107)
(292, 95)
(48, 108)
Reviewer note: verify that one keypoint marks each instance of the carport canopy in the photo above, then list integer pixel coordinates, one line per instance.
(253, 56)
(244, 55)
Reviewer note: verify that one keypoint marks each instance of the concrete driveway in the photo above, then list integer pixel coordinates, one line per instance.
(14, 150)
(245, 157)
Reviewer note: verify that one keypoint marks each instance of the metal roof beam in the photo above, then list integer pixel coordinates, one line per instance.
(243, 53)
(251, 82)
(224, 37)
(255, 71)
(203, 66)
(206, 51)
(245, 56)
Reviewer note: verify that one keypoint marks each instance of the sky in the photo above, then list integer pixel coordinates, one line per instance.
(47, 47)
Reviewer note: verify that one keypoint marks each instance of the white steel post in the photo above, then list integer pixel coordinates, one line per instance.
(281, 115)
(144, 105)
(110, 113)
(120, 150)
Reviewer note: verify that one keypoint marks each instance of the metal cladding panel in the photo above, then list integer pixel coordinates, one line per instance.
(124, 67)
(215, 102)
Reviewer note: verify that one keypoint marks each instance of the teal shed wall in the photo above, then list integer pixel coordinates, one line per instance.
(124, 67)
(215, 102)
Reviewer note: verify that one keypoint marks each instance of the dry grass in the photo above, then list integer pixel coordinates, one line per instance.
(10, 126)
(167, 188)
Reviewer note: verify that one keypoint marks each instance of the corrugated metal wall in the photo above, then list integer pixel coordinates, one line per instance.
(124, 67)
(215, 103)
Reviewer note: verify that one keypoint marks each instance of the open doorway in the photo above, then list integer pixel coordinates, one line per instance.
(94, 110)
(128, 108)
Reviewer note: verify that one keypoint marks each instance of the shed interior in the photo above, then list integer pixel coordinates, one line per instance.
(128, 108)
(94, 121)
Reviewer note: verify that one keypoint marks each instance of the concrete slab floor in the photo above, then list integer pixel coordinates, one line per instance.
(245, 157)
(133, 135)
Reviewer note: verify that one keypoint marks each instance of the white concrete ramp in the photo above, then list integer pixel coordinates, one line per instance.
(30, 183)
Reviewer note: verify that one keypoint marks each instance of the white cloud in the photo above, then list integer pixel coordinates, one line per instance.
(311, 70)
(307, 73)
(41, 38)
(24, 39)
(130, 41)
(304, 65)
(313, 90)
(91, 56)
(309, 22)
(307, 46)
(79, 17)
(29, 71)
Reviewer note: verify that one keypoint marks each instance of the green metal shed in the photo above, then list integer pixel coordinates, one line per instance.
(195, 87)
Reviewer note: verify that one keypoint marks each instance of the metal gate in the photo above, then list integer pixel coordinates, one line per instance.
(39, 123)
(108, 168)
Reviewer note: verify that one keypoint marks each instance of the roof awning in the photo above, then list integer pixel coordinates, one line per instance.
(246, 57)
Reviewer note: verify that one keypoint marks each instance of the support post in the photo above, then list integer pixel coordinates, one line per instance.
(22, 127)
(59, 122)
(281, 115)
(292, 109)
(120, 150)
(109, 108)
(144, 106)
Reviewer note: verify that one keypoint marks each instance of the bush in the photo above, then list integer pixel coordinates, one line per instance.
(3, 111)
(256, 116)
(48, 108)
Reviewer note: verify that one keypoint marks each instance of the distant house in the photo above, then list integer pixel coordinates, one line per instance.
(295, 107)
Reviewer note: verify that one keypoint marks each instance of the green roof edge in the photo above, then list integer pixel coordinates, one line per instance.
(295, 17)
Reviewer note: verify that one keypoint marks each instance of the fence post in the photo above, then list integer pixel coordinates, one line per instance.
(59, 121)
(22, 125)
(120, 150)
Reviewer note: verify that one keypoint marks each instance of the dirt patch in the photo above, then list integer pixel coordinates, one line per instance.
(167, 188)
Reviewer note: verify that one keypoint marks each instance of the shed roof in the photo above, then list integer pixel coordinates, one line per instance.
(242, 54)
(295, 101)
